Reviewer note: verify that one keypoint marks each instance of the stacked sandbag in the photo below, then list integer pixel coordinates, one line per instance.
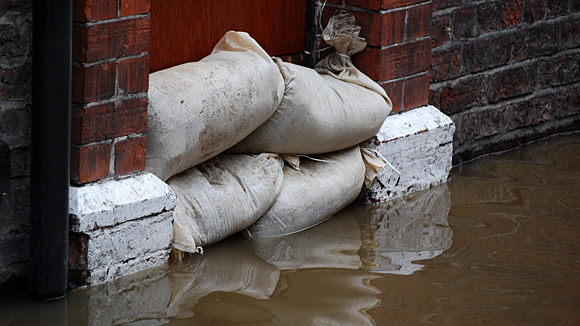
(328, 109)
(223, 196)
(199, 109)
(323, 185)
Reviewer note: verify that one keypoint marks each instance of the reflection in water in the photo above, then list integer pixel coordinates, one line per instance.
(403, 231)
(498, 245)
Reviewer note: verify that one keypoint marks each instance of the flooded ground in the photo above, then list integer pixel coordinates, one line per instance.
(499, 244)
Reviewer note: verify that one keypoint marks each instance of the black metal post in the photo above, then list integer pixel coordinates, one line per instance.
(50, 147)
(310, 35)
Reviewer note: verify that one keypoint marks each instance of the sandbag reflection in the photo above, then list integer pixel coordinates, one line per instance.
(399, 232)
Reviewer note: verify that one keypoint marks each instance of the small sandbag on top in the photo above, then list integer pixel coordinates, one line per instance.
(199, 109)
(331, 108)
(222, 196)
(322, 186)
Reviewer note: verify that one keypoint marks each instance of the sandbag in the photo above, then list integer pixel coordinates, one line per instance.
(199, 109)
(223, 196)
(331, 108)
(321, 187)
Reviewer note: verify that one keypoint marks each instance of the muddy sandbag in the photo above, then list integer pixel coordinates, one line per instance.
(322, 186)
(199, 109)
(223, 196)
(331, 108)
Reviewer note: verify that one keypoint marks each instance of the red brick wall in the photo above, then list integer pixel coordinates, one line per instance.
(507, 72)
(398, 53)
(109, 92)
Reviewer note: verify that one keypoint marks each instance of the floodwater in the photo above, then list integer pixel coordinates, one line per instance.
(499, 244)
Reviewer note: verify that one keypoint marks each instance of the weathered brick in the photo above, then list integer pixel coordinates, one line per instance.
(488, 16)
(382, 4)
(90, 163)
(530, 112)
(512, 12)
(512, 82)
(111, 40)
(15, 5)
(15, 123)
(93, 83)
(464, 93)
(419, 22)
(464, 24)
(15, 40)
(534, 10)
(108, 121)
(130, 155)
(571, 34)
(574, 6)
(536, 41)
(134, 7)
(435, 96)
(445, 63)
(396, 61)
(570, 103)
(481, 124)
(440, 30)
(394, 90)
(560, 71)
(441, 4)
(416, 92)
(557, 8)
(90, 10)
(15, 83)
(134, 75)
(482, 54)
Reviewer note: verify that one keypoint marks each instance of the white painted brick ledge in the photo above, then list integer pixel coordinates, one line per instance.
(418, 144)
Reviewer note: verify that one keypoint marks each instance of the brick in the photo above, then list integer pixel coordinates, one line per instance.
(134, 7)
(416, 92)
(382, 4)
(480, 124)
(130, 155)
(530, 112)
(111, 40)
(488, 17)
(463, 94)
(536, 41)
(570, 103)
(574, 6)
(445, 63)
(512, 12)
(464, 23)
(512, 82)
(396, 61)
(108, 121)
(442, 4)
(440, 30)
(534, 11)
(560, 71)
(382, 29)
(395, 92)
(15, 83)
(482, 54)
(557, 8)
(571, 34)
(435, 97)
(134, 75)
(91, 10)
(419, 22)
(93, 83)
(90, 163)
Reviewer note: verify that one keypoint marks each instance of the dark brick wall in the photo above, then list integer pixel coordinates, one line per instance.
(15, 68)
(507, 72)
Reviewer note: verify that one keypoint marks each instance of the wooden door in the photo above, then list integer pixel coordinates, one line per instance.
(186, 30)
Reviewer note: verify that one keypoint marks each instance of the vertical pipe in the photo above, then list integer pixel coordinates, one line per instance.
(310, 37)
(50, 147)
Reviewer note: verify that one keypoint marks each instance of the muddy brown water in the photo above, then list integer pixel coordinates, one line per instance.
(499, 244)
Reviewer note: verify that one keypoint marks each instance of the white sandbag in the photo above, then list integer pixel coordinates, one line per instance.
(328, 109)
(223, 196)
(314, 193)
(199, 109)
